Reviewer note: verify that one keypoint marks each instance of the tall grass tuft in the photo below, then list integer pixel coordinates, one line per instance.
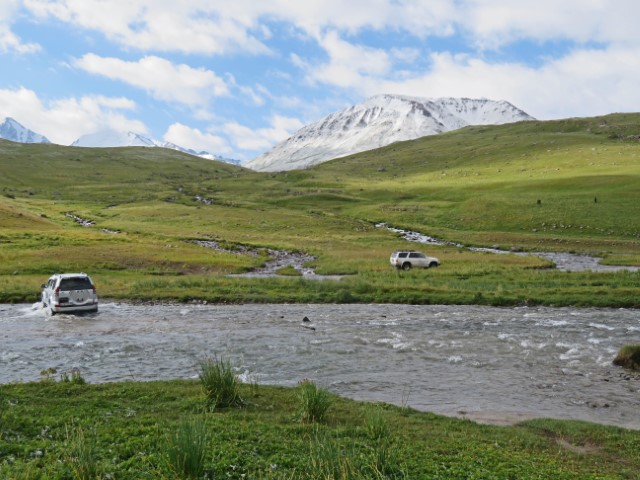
(329, 461)
(313, 401)
(80, 455)
(73, 376)
(187, 449)
(220, 383)
(376, 424)
(384, 457)
(384, 462)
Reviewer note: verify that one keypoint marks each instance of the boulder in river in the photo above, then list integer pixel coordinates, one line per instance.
(628, 357)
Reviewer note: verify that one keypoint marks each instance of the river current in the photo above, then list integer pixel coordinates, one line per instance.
(497, 365)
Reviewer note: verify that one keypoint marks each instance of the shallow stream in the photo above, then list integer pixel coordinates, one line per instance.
(497, 365)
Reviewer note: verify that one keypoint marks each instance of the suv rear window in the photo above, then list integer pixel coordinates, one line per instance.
(79, 283)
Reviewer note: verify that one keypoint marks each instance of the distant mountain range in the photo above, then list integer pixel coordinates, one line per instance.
(379, 121)
(115, 138)
(376, 122)
(12, 130)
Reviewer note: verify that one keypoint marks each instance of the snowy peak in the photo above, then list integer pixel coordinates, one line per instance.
(379, 121)
(115, 138)
(12, 130)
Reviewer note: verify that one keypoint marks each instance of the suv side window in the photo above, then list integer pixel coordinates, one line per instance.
(402, 255)
(414, 255)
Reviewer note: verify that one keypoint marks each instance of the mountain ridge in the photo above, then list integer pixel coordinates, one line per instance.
(116, 138)
(14, 131)
(379, 121)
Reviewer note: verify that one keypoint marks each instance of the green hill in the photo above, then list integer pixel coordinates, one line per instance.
(571, 185)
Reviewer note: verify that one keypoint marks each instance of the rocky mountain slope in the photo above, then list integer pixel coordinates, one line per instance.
(379, 121)
(12, 130)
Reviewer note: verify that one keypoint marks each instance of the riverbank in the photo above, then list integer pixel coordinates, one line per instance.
(127, 431)
(464, 278)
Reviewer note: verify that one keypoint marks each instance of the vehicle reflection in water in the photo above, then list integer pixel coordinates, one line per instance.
(490, 364)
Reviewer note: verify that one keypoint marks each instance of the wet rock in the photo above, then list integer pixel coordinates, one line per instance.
(628, 357)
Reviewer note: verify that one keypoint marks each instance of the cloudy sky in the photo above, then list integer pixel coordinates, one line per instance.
(234, 77)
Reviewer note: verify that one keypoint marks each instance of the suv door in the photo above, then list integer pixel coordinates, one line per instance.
(418, 259)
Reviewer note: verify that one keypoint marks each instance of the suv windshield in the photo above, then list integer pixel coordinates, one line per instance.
(78, 283)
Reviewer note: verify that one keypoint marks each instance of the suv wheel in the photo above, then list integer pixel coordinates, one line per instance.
(406, 266)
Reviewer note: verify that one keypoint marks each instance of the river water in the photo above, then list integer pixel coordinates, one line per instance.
(497, 365)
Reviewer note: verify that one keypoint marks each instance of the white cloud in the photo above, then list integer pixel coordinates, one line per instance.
(245, 138)
(496, 22)
(196, 139)
(348, 63)
(194, 26)
(9, 41)
(159, 77)
(585, 82)
(203, 26)
(416, 16)
(64, 120)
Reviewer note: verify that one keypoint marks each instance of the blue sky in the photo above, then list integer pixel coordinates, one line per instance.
(236, 77)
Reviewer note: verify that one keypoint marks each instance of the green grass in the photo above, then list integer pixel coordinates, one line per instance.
(188, 447)
(570, 185)
(220, 383)
(313, 401)
(58, 430)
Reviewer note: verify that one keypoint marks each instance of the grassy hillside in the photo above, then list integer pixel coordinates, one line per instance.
(131, 430)
(571, 185)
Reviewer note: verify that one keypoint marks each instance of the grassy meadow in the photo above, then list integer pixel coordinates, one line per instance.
(570, 185)
(167, 430)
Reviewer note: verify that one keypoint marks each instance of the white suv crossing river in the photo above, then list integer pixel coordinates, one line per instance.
(70, 292)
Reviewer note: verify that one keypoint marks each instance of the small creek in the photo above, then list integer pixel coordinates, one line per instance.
(497, 365)
(566, 262)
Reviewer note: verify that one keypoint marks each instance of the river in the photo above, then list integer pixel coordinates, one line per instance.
(495, 365)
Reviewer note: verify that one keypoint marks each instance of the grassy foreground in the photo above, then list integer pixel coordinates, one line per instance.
(569, 186)
(55, 430)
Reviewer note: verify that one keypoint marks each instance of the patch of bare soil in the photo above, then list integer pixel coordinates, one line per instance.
(584, 449)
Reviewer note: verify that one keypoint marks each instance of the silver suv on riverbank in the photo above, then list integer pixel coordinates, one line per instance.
(70, 292)
(407, 259)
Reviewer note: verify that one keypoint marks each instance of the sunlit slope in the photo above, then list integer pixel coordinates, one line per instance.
(570, 178)
(571, 185)
(523, 183)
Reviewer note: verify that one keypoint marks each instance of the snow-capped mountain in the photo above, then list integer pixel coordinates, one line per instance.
(379, 121)
(115, 138)
(12, 130)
